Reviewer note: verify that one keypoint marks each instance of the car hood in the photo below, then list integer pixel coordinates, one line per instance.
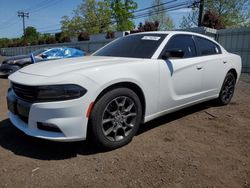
(57, 67)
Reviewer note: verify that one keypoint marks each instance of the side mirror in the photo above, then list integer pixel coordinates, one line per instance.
(44, 56)
(175, 53)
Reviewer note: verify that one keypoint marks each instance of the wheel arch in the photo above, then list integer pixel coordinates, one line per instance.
(234, 72)
(130, 85)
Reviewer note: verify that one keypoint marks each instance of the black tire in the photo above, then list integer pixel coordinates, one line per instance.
(227, 89)
(115, 118)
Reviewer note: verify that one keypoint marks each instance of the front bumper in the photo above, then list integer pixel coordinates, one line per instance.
(69, 117)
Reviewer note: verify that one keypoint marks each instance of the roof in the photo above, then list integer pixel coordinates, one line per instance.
(180, 32)
(171, 32)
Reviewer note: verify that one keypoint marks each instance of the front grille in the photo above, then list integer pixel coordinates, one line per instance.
(27, 93)
(18, 106)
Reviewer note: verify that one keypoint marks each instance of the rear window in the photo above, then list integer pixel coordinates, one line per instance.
(134, 46)
(207, 47)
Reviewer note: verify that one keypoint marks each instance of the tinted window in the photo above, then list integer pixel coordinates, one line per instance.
(136, 46)
(183, 42)
(207, 47)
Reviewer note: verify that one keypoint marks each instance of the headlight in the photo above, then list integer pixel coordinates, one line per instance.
(59, 92)
(48, 93)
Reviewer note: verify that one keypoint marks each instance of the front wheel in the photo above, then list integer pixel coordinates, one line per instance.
(227, 89)
(115, 118)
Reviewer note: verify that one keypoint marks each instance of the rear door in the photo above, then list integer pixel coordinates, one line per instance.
(180, 78)
(214, 63)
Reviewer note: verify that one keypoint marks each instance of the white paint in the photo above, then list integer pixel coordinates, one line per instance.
(166, 89)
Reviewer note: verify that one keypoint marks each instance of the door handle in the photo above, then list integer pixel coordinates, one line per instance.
(199, 67)
(224, 62)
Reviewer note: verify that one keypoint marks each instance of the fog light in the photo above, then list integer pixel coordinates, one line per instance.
(48, 127)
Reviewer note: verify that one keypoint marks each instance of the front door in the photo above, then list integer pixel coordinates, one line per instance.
(180, 78)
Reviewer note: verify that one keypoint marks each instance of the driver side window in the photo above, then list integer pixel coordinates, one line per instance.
(184, 43)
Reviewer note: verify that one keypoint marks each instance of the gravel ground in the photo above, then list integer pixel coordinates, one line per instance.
(201, 146)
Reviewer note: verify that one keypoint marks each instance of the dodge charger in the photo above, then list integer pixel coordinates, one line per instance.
(130, 81)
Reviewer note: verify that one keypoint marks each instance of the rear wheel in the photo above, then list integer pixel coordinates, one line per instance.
(227, 89)
(115, 118)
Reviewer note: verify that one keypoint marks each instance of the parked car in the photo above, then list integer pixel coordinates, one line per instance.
(130, 81)
(12, 64)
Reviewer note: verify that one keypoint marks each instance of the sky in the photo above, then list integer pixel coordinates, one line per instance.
(45, 15)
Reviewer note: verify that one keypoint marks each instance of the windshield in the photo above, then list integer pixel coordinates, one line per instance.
(134, 46)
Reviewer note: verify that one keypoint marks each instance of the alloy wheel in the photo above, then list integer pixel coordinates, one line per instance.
(228, 89)
(119, 118)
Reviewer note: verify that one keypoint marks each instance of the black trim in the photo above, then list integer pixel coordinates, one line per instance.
(43, 127)
(17, 106)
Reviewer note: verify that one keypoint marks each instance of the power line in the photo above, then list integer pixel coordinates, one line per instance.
(43, 5)
(46, 5)
(41, 28)
(171, 8)
(179, 5)
(136, 11)
(161, 4)
(33, 9)
(10, 24)
(51, 31)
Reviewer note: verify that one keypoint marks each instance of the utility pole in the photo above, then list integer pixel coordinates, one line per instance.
(23, 15)
(201, 8)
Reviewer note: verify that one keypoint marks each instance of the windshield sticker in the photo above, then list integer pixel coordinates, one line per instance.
(150, 38)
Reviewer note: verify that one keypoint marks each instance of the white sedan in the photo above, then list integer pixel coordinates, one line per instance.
(128, 82)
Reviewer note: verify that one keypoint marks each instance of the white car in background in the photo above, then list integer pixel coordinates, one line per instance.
(128, 82)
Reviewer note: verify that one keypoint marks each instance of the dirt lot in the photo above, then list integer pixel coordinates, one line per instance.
(202, 146)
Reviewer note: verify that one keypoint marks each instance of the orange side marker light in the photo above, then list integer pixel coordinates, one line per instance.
(89, 109)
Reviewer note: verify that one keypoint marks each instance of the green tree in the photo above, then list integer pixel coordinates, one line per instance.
(31, 36)
(31, 32)
(158, 13)
(71, 26)
(234, 13)
(148, 26)
(191, 20)
(90, 16)
(213, 20)
(15, 42)
(104, 16)
(4, 42)
(46, 38)
(62, 37)
(122, 13)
